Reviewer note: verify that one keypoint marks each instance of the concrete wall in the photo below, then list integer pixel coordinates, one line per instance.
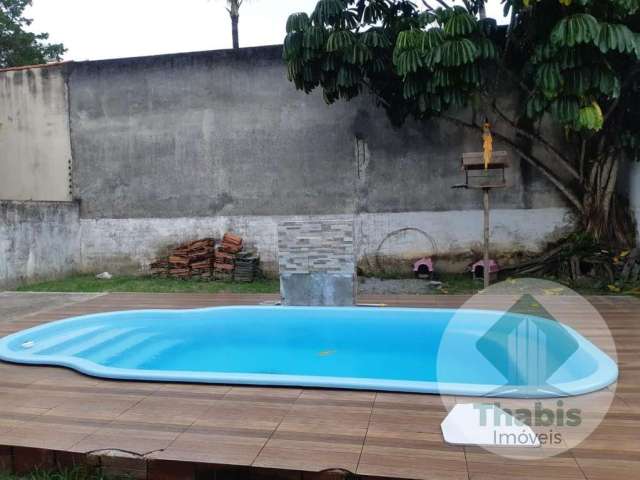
(225, 133)
(176, 147)
(384, 242)
(172, 147)
(35, 150)
(38, 240)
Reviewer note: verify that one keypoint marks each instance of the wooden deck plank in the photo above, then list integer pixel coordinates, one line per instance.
(377, 434)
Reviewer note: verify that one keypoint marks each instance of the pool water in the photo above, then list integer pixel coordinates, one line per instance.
(462, 352)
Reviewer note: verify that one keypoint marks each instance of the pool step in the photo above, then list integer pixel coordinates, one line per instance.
(53, 344)
(106, 353)
(145, 351)
(106, 337)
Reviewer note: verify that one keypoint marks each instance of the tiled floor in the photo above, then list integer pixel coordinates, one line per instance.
(369, 433)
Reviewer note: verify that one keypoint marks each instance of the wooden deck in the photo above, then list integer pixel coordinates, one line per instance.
(292, 429)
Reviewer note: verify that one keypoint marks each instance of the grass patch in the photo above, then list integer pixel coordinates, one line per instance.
(452, 284)
(90, 284)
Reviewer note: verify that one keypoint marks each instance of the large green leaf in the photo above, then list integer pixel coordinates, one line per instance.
(460, 23)
(314, 38)
(486, 49)
(374, 38)
(578, 80)
(360, 54)
(606, 81)
(408, 61)
(614, 36)
(328, 12)
(536, 105)
(565, 109)
(590, 117)
(549, 77)
(340, 40)
(458, 52)
(292, 44)
(432, 38)
(297, 22)
(576, 29)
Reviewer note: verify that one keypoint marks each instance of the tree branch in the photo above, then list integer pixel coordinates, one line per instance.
(575, 201)
(564, 162)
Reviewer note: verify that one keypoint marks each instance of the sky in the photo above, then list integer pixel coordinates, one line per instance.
(100, 29)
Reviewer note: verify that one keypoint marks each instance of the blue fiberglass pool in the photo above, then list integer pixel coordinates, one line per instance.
(460, 352)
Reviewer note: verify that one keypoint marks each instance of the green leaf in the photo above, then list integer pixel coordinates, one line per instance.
(578, 80)
(347, 77)
(565, 109)
(606, 81)
(408, 61)
(590, 117)
(548, 77)
(340, 40)
(458, 52)
(536, 105)
(576, 29)
(294, 68)
(373, 38)
(617, 37)
(410, 87)
(487, 49)
(292, 45)
(432, 38)
(298, 22)
(409, 39)
(459, 24)
(360, 54)
(328, 12)
(314, 38)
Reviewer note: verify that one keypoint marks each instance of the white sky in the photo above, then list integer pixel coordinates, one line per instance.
(99, 29)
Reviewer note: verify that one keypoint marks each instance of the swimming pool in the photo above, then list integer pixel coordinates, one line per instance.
(458, 352)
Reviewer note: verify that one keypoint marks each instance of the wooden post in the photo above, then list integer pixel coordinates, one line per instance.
(487, 272)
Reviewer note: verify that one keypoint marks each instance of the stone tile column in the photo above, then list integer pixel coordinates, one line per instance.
(317, 262)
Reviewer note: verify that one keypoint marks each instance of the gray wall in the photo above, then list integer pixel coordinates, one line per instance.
(35, 150)
(174, 147)
(38, 240)
(224, 133)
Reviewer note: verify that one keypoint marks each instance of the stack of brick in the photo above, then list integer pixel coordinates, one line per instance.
(225, 256)
(160, 268)
(193, 259)
(203, 260)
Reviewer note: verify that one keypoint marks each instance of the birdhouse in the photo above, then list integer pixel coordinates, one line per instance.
(479, 174)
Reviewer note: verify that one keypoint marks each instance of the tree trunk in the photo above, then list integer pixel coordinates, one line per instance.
(604, 215)
(234, 31)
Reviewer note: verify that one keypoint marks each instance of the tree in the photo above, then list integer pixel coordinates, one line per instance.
(573, 64)
(233, 7)
(19, 47)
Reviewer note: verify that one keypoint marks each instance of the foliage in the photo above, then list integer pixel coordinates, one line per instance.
(574, 63)
(90, 284)
(18, 46)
